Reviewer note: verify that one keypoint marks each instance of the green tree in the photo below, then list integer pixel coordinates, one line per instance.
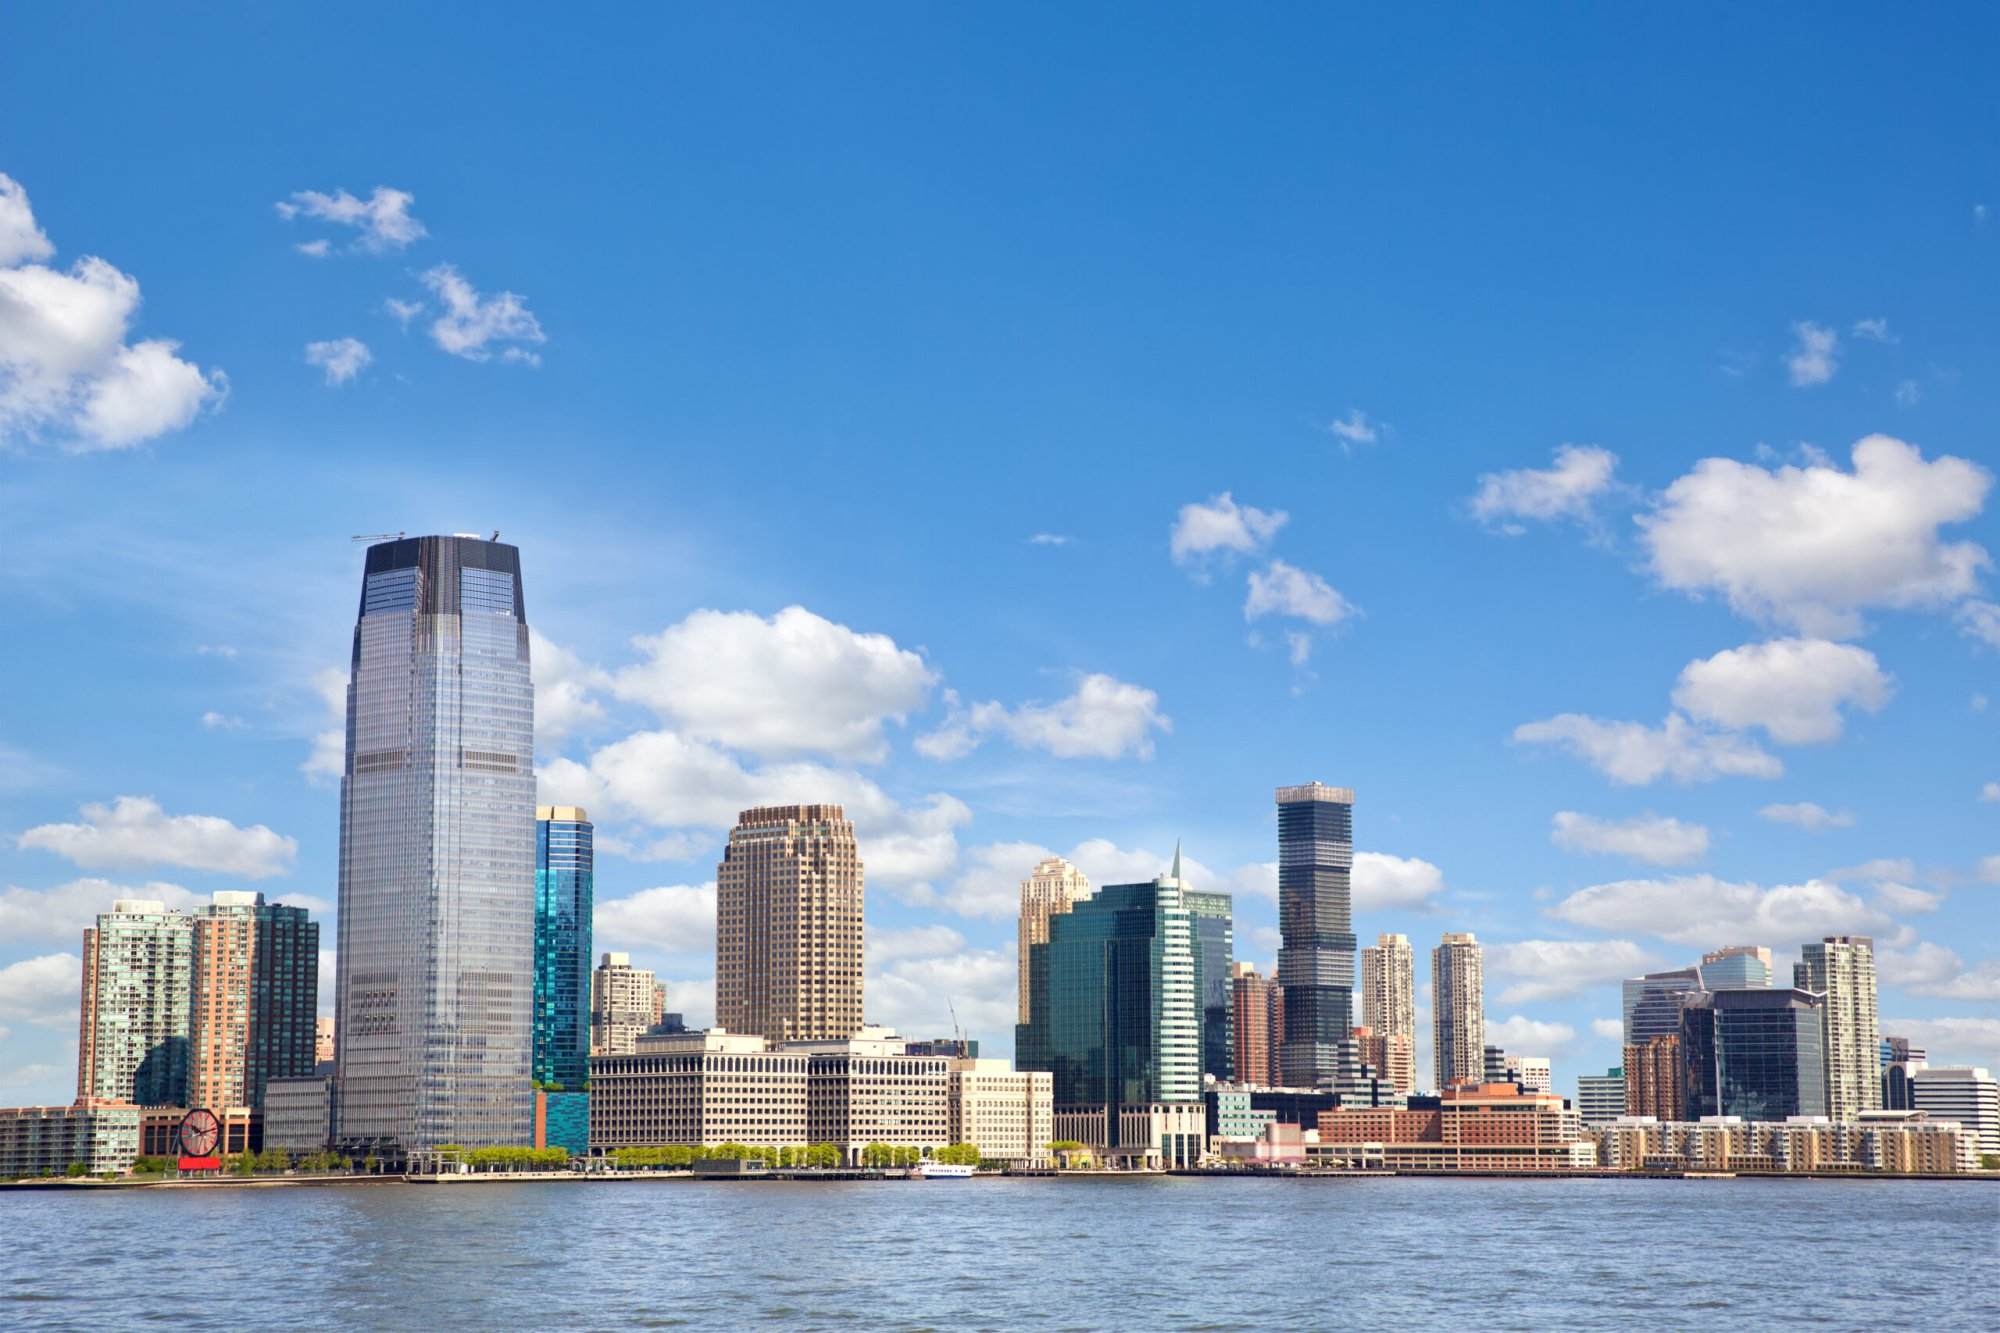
(78, 1169)
(957, 1154)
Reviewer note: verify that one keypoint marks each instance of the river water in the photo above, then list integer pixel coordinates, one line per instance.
(1159, 1253)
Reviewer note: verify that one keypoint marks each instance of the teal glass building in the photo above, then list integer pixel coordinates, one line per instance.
(1112, 1000)
(1212, 916)
(1756, 1053)
(564, 870)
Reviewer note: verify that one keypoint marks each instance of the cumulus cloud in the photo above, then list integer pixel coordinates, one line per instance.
(1569, 490)
(1049, 539)
(918, 995)
(1813, 546)
(383, 220)
(1952, 1041)
(1653, 838)
(1980, 620)
(1700, 909)
(988, 884)
(65, 367)
(341, 358)
(1382, 881)
(1815, 354)
(476, 327)
(42, 991)
(1793, 688)
(563, 691)
(1932, 969)
(1518, 1034)
(1103, 718)
(1222, 525)
(327, 760)
(1989, 869)
(1610, 1029)
(1355, 428)
(1990, 792)
(135, 831)
(215, 721)
(1874, 330)
(403, 311)
(62, 913)
(1637, 755)
(1895, 897)
(927, 941)
(1807, 815)
(671, 919)
(791, 683)
(1281, 589)
(1552, 969)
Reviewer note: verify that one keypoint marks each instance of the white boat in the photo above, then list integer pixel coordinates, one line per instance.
(940, 1171)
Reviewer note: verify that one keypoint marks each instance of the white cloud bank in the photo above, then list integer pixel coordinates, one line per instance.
(1637, 755)
(1222, 525)
(1793, 688)
(1808, 815)
(1656, 839)
(1102, 718)
(1582, 474)
(383, 220)
(1700, 909)
(135, 831)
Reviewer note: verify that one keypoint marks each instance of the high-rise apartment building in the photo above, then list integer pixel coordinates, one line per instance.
(1114, 1017)
(1051, 888)
(1736, 967)
(1655, 1078)
(565, 866)
(1600, 1098)
(1652, 1003)
(1530, 1072)
(1391, 1058)
(1963, 1093)
(1758, 1053)
(1389, 986)
(1842, 968)
(1316, 926)
(788, 925)
(435, 965)
(138, 993)
(1257, 1009)
(1458, 1010)
(322, 1041)
(1212, 919)
(255, 998)
(621, 1004)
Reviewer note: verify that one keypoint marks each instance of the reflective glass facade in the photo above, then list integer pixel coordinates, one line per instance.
(1315, 920)
(1113, 1014)
(1212, 916)
(564, 869)
(1759, 1054)
(1653, 1003)
(435, 960)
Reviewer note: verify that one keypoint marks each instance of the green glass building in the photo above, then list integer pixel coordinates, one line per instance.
(1212, 916)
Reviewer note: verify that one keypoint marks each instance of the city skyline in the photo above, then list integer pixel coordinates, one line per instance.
(1027, 501)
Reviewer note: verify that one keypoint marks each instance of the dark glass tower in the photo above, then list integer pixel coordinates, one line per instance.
(1315, 921)
(1213, 918)
(436, 958)
(564, 869)
(1759, 1054)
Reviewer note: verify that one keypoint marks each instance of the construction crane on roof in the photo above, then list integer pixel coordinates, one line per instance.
(372, 537)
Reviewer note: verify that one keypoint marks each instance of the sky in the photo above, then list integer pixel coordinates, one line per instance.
(1042, 432)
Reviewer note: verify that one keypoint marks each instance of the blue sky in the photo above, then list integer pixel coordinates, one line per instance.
(1142, 408)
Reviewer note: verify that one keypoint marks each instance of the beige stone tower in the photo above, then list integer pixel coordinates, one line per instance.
(1389, 1006)
(788, 925)
(1458, 1010)
(1051, 888)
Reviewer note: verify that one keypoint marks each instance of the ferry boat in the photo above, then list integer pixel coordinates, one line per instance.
(941, 1171)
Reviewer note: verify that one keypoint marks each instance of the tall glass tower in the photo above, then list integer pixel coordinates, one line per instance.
(563, 873)
(435, 969)
(1316, 924)
(1211, 917)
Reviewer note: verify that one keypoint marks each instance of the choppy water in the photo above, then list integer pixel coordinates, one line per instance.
(1068, 1254)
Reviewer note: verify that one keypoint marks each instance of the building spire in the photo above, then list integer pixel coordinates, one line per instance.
(1177, 859)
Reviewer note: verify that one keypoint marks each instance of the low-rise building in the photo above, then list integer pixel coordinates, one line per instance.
(1008, 1114)
(1881, 1141)
(698, 1088)
(1600, 1098)
(298, 1114)
(868, 1089)
(1467, 1127)
(49, 1140)
(562, 1120)
(160, 1130)
(1962, 1093)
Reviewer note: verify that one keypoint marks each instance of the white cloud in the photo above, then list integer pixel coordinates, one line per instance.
(1815, 356)
(65, 366)
(1222, 525)
(790, 684)
(327, 760)
(135, 831)
(888, 946)
(1874, 330)
(1382, 881)
(383, 219)
(1908, 393)
(694, 1001)
(1521, 1035)
(918, 995)
(1103, 718)
(403, 311)
(672, 919)
(1952, 1041)
(471, 324)
(1657, 839)
(1355, 428)
(1610, 1029)
(1990, 792)
(1989, 869)
(214, 721)
(682, 846)
(1807, 815)
(1701, 909)
(43, 990)
(988, 884)
(1049, 539)
(319, 249)
(1285, 590)
(1812, 546)
(1570, 489)
(1932, 969)
(1552, 969)
(1878, 870)
(341, 358)
(563, 685)
(1895, 897)
(1635, 754)
(62, 913)
(1793, 688)
(1980, 620)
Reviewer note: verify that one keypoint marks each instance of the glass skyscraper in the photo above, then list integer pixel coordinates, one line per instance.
(1736, 967)
(1212, 916)
(564, 869)
(436, 956)
(1315, 921)
(1758, 1053)
(1652, 1003)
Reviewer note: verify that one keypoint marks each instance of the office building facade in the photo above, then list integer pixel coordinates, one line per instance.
(1656, 1079)
(1652, 1003)
(1458, 1010)
(435, 963)
(256, 995)
(1759, 1054)
(298, 1114)
(698, 1088)
(136, 1006)
(1316, 929)
(1257, 1024)
(1051, 888)
(1736, 968)
(1842, 968)
(1600, 1098)
(788, 897)
(1964, 1093)
(1212, 918)
(565, 871)
(1007, 1113)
